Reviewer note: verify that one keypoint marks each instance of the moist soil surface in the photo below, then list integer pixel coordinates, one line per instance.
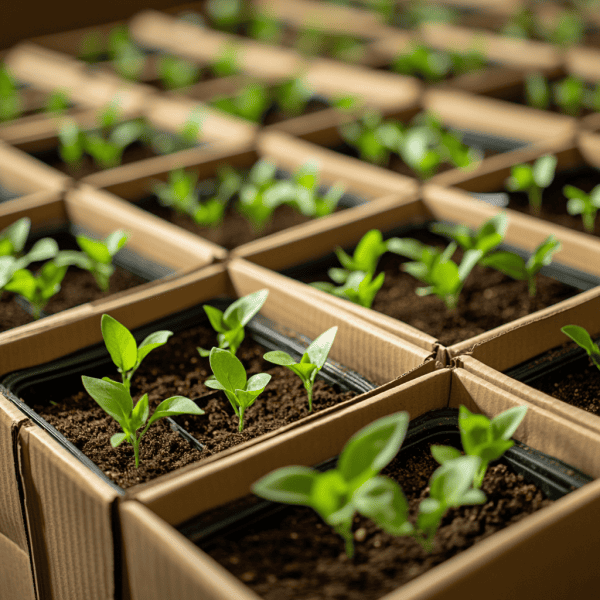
(235, 229)
(488, 300)
(78, 287)
(294, 555)
(554, 202)
(577, 384)
(178, 369)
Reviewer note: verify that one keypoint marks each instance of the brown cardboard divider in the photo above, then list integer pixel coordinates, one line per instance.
(511, 559)
(15, 571)
(157, 30)
(436, 203)
(24, 175)
(70, 561)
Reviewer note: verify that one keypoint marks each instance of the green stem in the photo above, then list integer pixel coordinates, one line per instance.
(241, 416)
(588, 222)
(532, 286)
(478, 480)
(309, 389)
(535, 200)
(136, 451)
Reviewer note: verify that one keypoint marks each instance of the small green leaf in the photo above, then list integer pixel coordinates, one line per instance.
(319, 349)
(176, 405)
(582, 338)
(279, 357)
(258, 382)
(95, 249)
(444, 453)
(112, 396)
(291, 485)
(506, 423)
(117, 439)
(140, 412)
(543, 170)
(228, 369)
(120, 343)
(152, 341)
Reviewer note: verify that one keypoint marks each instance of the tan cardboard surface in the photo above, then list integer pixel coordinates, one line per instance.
(498, 567)
(24, 174)
(583, 62)
(157, 30)
(16, 578)
(12, 520)
(69, 519)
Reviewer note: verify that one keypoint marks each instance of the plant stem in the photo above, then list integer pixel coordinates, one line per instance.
(535, 200)
(588, 222)
(309, 389)
(241, 423)
(136, 450)
(532, 286)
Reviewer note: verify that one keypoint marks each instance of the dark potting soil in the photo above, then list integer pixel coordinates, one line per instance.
(554, 202)
(178, 369)
(78, 287)
(235, 229)
(133, 152)
(488, 300)
(294, 555)
(577, 385)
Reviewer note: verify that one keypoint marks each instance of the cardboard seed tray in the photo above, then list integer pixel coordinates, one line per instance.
(155, 248)
(547, 554)
(437, 203)
(21, 176)
(584, 62)
(507, 59)
(522, 344)
(362, 181)
(64, 501)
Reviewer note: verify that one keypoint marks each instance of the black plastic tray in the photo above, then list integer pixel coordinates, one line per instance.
(552, 476)
(65, 373)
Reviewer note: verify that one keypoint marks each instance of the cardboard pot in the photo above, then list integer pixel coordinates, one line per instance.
(83, 501)
(150, 520)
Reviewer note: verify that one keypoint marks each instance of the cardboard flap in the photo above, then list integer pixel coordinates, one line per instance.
(583, 62)
(15, 571)
(60, 490)
(12, 519)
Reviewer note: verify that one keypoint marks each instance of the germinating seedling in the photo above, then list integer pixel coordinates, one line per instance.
(230, 324)
(310, 364)
(230, 376)
(124, 350)
(96, 256)
(514, 266)
(356, 486)
(304, 192)
(251, 102)
(532, 179)
(359, 287)
(570, 94)
(435, 267)
(176, 73)
(115, 398)
(127, 59)
(583, 339)
(583, 204)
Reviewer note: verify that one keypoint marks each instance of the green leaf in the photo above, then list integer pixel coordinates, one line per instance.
(373, 447)
(152, 341)
(444, 453)
(258, 382)
(140, 413)
(215, 316)
(116, 240)
(22, 282)
(521, 178)
(290, 485)
(112, 397)
(543, 170)
(509, 263)
(506, 423)
(228, 369)
(117, 439)
(95, 249)
(176, 405)
(319, 349)
(382, 500)
(449, 482)
(42, 250)
(542, 255)
(329, 494)
(245, 308)
(581, 337)
(16, 234)
(279, 357)
(120, 343)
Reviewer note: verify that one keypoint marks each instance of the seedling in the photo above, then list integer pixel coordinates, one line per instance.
(187, 136)
(532, 179)
(292, 96)
(227, 61)
(356, 486)
(179, 193)
(123, 349)
(265, 28)
(176, 73)
(583, 339)
(569, 95)
(250, 103)
(360, 288)
(537, 91)
(230, 324)
(225, 14)
(435, 267)
(514, 266)
(57, 102)
(14, 237)
(96, 256)
(482, 437)
(127, 59)
(310, 364)
(230, 376)
(583, 204)
(304, 192)
(115, 399)
(486, 238)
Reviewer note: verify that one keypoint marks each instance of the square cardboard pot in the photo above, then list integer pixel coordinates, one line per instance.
(64, 500)
(437, 203)
(362, 182)
(493, 568)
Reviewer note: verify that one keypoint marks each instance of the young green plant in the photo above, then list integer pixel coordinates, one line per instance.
(532, 179)
(583, 204)
(584, 340)
(230, 376)
(230, 324)
(485, 438)
(310, 364)
(356, 486)
(514, 266)
(359, 287)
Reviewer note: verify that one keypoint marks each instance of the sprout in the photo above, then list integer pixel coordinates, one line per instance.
(176, 73)
(583, 339)
(360, 288)
(583, 204)
(532, 179)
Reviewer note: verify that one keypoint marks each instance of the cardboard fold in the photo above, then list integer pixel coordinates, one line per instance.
(16, 576)
(508, 558)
